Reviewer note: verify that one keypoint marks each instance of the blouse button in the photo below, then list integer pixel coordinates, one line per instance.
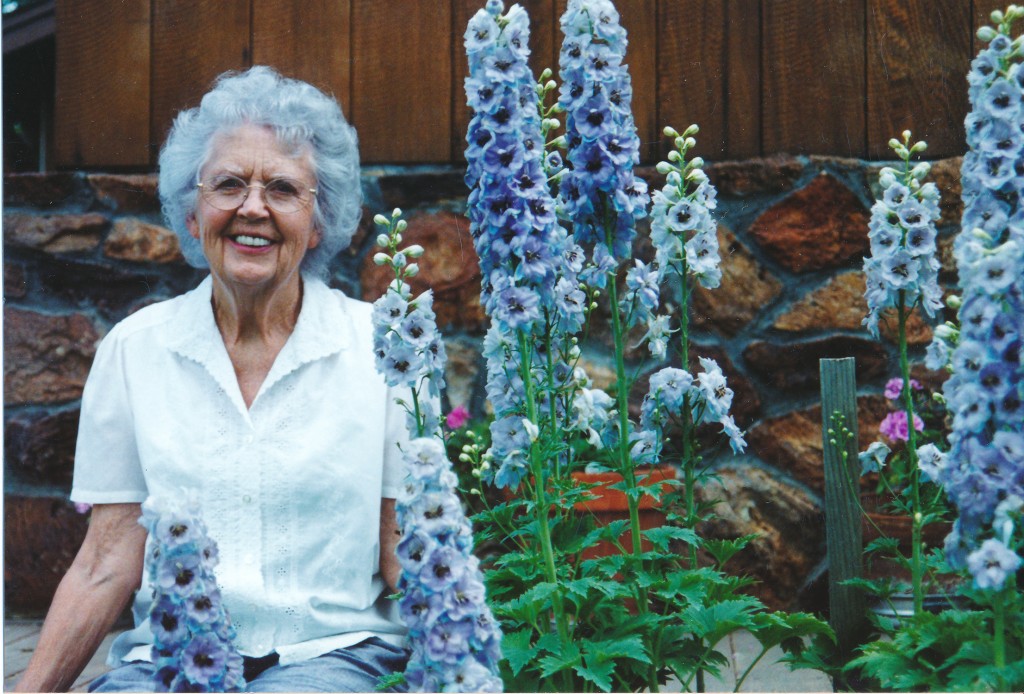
(247, 499)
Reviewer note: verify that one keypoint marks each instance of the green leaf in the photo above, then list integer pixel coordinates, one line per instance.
(629, 647)
(714, 622)
(663, 536)
(597, 671)
(516, 648)
(568, 657)
(776, 628)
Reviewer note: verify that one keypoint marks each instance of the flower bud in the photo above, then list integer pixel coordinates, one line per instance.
(921, 170)
(546, 74)
(396, 213)
(996, 16)
(414, 251)
(412, 270)
(401, 226)
(549, 85)
(674, 156)
(945, 331)
(382, 240)
(381, 259)
(464, 458)
(664, 167)
(692, 130)
(954, 301)
(697, 162)
(986, 34)
(381, 220)
(399, 260)
(894, 143)
(669, 131)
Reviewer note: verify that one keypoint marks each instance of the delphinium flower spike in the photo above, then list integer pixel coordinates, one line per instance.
(599, 192)
(192, 647)
(528, 263)
(903, 268)
(982, 472)
(455, 640)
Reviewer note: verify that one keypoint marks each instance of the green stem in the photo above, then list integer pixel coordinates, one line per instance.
(739, 682)
(688, 463)
(999, 626)
(542, 506)
(916, 560)
(625, 460)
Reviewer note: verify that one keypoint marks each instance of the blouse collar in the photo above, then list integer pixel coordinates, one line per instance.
(324, 327)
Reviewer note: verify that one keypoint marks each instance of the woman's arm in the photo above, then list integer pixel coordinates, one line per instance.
(389, 537)
(91, 596)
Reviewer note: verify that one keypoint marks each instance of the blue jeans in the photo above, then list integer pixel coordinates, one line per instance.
(352, 669)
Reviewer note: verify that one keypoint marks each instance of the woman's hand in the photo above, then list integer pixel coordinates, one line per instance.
(390, 569)
(93, 593)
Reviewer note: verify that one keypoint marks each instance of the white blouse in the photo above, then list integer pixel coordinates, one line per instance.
(291, 488)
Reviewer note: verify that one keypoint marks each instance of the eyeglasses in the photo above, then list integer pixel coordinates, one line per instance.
(283, 195)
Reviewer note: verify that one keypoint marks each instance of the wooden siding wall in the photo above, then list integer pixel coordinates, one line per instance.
(835, 77)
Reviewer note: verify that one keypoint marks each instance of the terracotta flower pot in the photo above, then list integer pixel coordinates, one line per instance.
(607, 504)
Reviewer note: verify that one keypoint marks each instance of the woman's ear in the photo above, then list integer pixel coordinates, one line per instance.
(192, 225)
(314, 238)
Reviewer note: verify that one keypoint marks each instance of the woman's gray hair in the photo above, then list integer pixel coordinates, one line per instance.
(300, 115)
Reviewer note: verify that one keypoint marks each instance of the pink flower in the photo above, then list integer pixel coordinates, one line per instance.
(457, 418)
(895, 386)
(894, 426)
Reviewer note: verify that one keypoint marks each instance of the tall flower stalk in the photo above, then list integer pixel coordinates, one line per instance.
(192, 634)
(902, 274)
(982, 471)
(455, 640)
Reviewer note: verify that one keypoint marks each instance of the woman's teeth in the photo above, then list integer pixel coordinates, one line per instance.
(252, 241)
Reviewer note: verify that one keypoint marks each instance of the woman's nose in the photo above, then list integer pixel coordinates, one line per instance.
(254, 205)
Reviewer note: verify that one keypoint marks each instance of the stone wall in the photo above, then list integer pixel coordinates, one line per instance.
(81, 251)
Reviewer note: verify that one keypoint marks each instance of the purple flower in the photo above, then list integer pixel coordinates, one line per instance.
(894, 426)
(894, 387)
(204, 660)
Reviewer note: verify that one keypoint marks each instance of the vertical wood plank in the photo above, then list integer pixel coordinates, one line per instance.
(309, 41)
(101, 116)
(814, 78)
(193, 42)
(543, 54)
(743, 79)
(691, 84)
(918, 55)
(847, 605)
(640, 19)
(402, 79)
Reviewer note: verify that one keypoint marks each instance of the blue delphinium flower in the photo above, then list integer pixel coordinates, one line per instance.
(442, 600)
(529, 263)
(683, 228)
(983, 466)
(599, 192)
(455, 641)
(708, 398)
(192, 647)
(511, 210)
(902, 266)
(406, 342)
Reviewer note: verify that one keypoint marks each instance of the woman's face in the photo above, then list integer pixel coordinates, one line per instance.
(254, 246)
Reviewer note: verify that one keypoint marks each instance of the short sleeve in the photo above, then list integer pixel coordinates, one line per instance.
(396, 434)
(107, 467)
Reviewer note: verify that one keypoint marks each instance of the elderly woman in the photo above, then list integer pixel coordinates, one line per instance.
(258, 390)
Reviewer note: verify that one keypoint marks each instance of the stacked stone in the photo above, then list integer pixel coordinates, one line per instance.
(84, 250)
